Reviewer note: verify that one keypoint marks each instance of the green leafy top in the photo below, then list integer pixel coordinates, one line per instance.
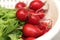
(9, 24)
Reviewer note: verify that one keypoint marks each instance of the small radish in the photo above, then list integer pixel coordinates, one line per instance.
(33, 19)
(20, 5)
(35, 5)
(46, 30)
(21, 14)
(41, 10)
(45, 24)
(30, 30)
(31, 12)
(41, 15)
(30, 38)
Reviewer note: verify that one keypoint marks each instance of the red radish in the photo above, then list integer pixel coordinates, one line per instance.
(36, 0)
(44, 24)
(35, 5)
(41, 15)
(30, 30)
(46, 30)
(42, 10)
(20, 5)
(30, 38)
(33, 19)
(21, 14)
(31, 12)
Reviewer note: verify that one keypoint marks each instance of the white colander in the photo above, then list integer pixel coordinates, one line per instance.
(9, 3)
(51, 14)
(12, 3)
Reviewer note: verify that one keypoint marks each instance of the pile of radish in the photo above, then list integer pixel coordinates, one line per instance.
(33, 16)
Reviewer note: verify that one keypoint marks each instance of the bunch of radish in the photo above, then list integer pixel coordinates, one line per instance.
(33, 15)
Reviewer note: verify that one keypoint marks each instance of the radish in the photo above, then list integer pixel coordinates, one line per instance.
(30, 30)
(35, 5)
(33, 19)
(45, 23)
(20, 5)
(30, 38)
(21, 14)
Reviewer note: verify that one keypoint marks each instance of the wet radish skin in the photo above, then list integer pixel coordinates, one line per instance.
(30, 30)
(30, 38)
(20, 5)
(33, 19)
(36, 5)
(21, 14)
